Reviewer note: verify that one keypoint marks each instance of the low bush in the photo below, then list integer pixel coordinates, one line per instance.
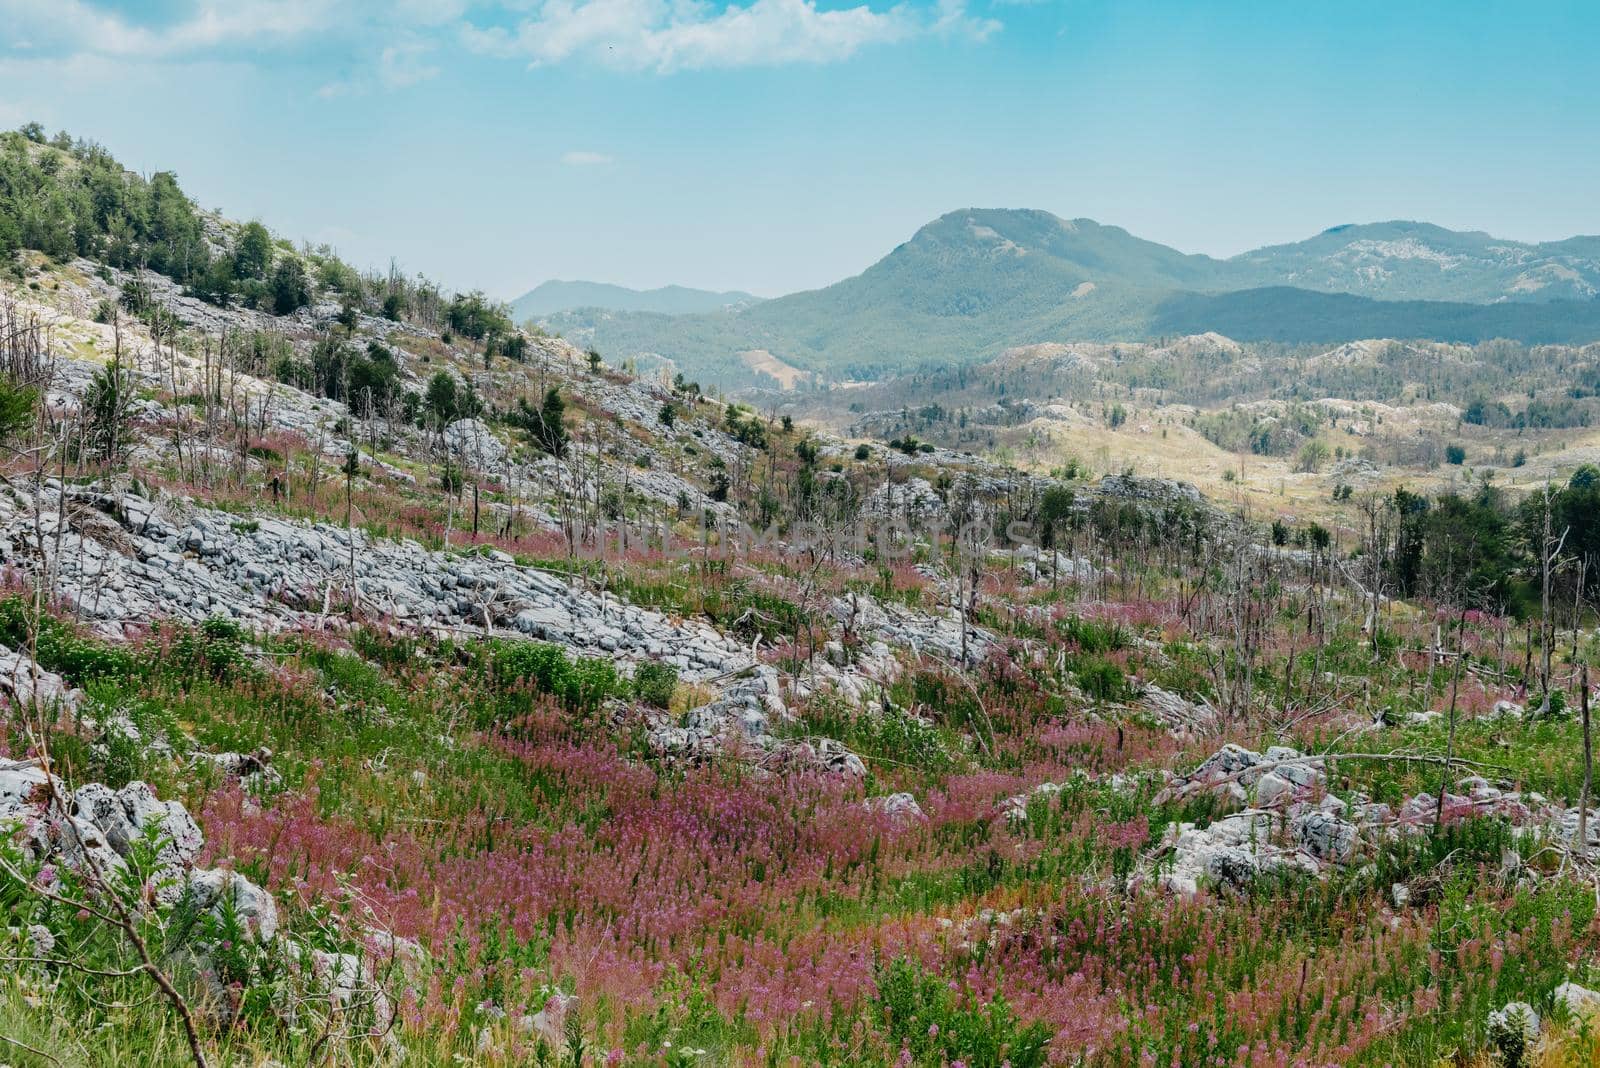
(61, 648)
(654, 683)
(582, 684)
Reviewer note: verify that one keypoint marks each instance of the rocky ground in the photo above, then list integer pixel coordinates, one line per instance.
(861, 759)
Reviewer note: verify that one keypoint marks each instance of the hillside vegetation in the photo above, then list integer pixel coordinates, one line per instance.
(387, 684)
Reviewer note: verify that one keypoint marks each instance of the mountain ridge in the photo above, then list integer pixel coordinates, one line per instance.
(557, 295)
(973, 281)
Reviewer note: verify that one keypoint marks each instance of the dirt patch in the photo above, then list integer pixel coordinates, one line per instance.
(766, 363)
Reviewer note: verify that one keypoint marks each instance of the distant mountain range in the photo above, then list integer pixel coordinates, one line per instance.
(1419, 261)
(974, 282)
(557, 296)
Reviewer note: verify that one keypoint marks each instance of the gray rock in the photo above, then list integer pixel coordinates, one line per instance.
(21, 783)
(179, 834)
(1326, 836)
(1274, 791)
(1580, 1001)
(1175, 712)
(208, 889)
(350, 985)
(899, 808)
(1514, 1029)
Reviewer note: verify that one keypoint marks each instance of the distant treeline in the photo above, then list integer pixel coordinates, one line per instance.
(1283, 313)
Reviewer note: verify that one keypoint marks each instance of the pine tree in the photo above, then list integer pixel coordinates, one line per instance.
(252, 254)
(107, 410)
(290, 289)
(553, 430)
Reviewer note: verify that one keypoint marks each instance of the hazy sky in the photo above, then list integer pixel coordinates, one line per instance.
(774, 145)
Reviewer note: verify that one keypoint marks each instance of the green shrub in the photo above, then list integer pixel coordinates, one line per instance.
(654, 682)
(214, 649)
(540, 662)
(1091, 636)
(61, 649)
(590, 681)
(1103, 680)
(582, 685)
(888, 733)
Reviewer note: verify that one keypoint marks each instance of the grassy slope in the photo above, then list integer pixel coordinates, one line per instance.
(527, 842)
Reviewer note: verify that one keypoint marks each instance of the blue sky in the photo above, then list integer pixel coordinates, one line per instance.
(774, 145)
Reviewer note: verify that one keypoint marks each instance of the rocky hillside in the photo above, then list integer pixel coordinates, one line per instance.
(386, 684)
(1418, 261)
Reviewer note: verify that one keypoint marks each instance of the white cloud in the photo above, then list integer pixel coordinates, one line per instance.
(391, 44)
(382, 37)
(953, 21)
(403, 64)
(669, 35)
(586, 159)
(399, 66)
(82, 27)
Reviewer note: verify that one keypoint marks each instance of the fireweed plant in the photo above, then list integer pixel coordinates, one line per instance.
(496, 803)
